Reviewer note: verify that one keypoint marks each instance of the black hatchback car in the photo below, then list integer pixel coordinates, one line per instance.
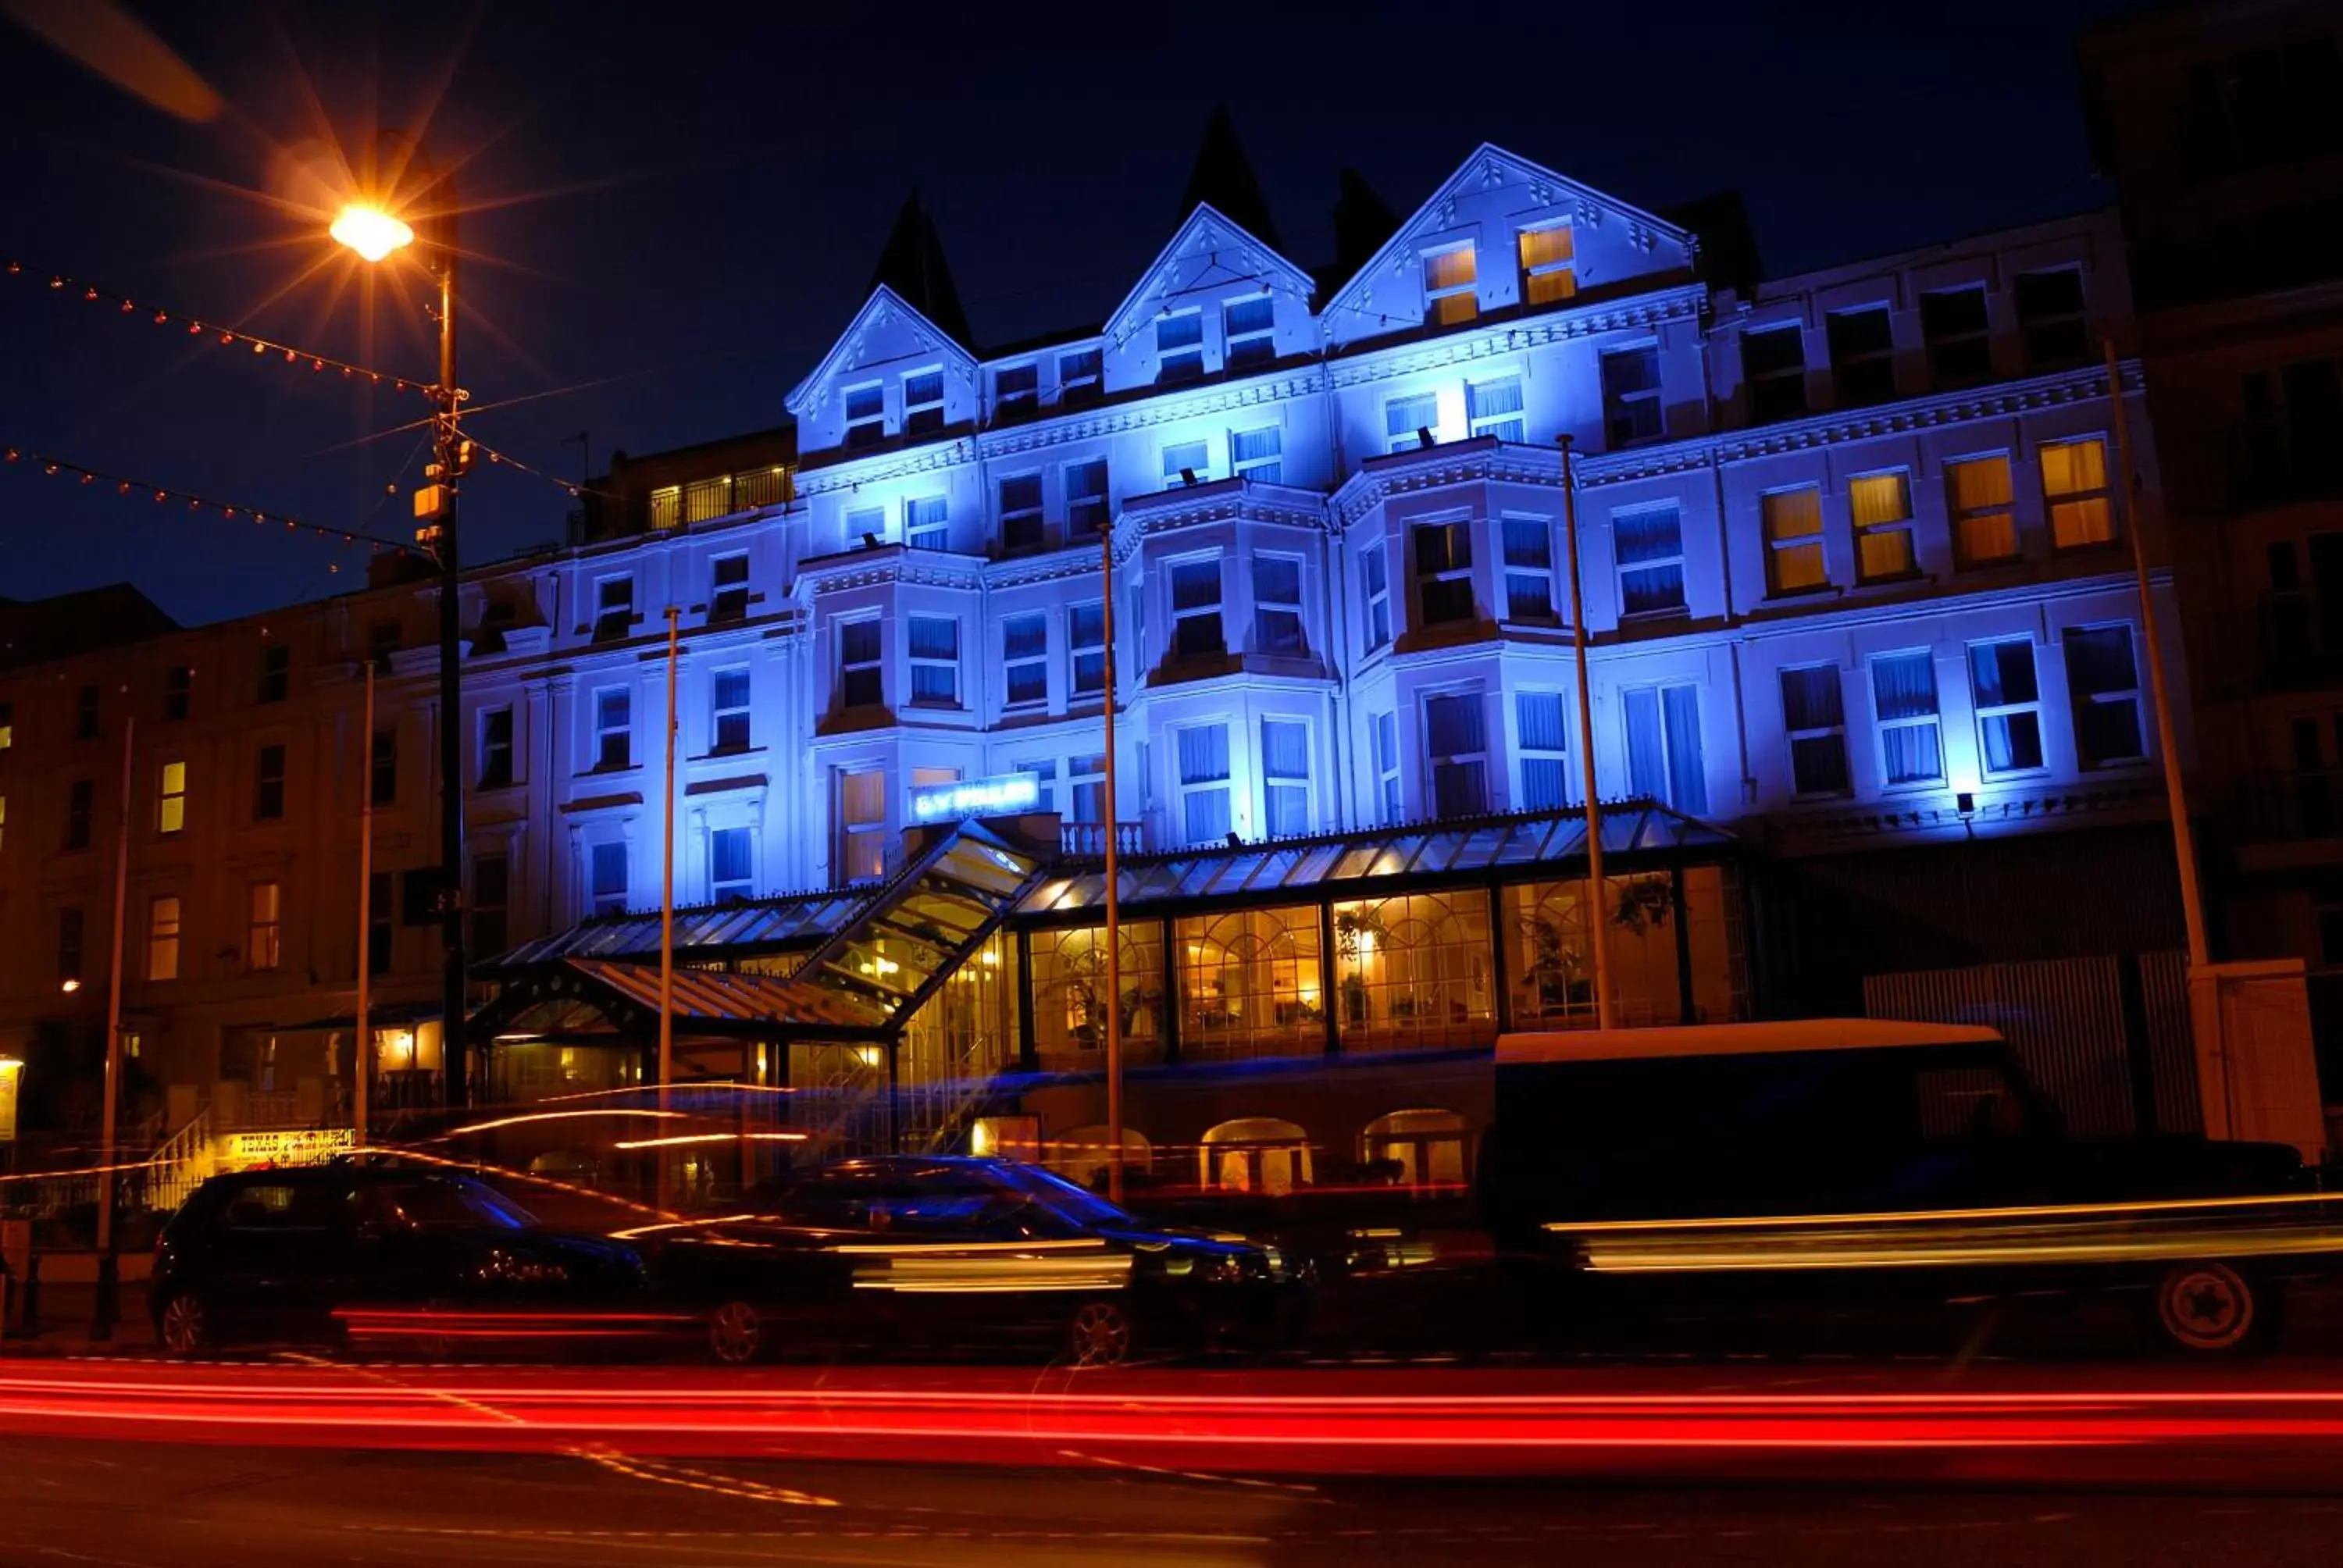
(351, 1252)
(955, 1253)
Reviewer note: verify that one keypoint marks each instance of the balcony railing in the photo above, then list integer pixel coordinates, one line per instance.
(1088, 840)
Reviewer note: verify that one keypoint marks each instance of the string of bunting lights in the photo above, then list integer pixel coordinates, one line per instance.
(53, 467)
(228, 336)
(503, 461)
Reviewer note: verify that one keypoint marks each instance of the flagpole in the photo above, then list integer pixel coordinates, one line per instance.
(666, 926)
(363, 1046)
(103, 1312)
(1114, 915)
(1598, 906)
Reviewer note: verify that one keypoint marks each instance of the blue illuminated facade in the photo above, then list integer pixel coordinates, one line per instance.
(1852, 556)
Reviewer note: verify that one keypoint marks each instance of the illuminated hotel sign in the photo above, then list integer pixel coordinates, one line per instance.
(12, 1072)
(1001, 797)
(298, 1146)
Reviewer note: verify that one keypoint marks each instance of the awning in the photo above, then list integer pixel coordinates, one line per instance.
(625, 998)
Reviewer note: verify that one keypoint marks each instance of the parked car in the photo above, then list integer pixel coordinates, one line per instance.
(350, 1252)
(964, 1253)
(1862, 1166)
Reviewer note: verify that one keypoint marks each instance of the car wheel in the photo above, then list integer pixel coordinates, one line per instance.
(1099, 1335)
(2209, 1309)
(184, 1327)
(735, 1333)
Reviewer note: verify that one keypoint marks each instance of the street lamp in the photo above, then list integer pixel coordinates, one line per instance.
(375, 234)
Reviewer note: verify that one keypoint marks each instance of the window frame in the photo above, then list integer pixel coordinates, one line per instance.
(1779, 544)
(622, 732)
(606, 903)
(1023, 526)
(1453, 303)
(865, 430)
(1017, 405)
(1793, 734)
(1383, 743)
(2032, 326)
(268, 788)
(171, 798)
(720, 712)
(924, 416)
(1622, 569)
(178, 693)
(1436, 763)
(258, 929)
(1216, 610)
(1864, 363)
(1511, 424)
(1533, 273)
(723, 608)
(732, 890)
(1254, 347)
(1086, 511)
(1299, 785)
(862, 841)
(1443, 580)
(919, 662)
(2069, 500)
(613, 620)
(1933, 719)
(1374, 562)
(1525, 753)
(1408, 440)
(849, 668)
(165, 936)
(2006, 711)
(275, 672)
(1080, 382)
(1975, 339)
(495, 755)
(1185, 788)
(1264, 607)
(2078, 699)
(1519, 572)
(1085, 654)
(923, 531)
(1960, 517)
(1905, 525)
(1175, 475)
(1761, 404)
(1268, 470)
(1031, 665)
(1623, 407)
(1187, 356)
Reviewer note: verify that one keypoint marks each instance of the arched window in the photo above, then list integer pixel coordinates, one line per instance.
(1426, 1144)
(1080, 1154)
(1255, 1154)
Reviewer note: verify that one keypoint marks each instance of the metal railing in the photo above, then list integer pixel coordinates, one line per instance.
(1088, 840)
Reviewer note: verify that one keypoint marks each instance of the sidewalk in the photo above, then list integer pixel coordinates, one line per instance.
(63, 1328)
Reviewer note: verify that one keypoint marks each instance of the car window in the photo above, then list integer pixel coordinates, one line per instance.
(439, 1204)
(287, 1206)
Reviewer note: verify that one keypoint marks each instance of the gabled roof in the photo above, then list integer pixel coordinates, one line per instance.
(1234, 253)
(1491, 165)
(883, 308)
(1223, 177)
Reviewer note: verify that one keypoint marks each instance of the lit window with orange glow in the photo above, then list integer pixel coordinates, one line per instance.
(1549, 270)
(171, 814)
(1451, 285)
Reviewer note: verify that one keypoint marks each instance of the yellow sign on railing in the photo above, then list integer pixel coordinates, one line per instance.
(12, 1073)
(296, 1146)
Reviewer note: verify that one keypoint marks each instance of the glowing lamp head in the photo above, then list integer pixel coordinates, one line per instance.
(370, 231)
(69, 985)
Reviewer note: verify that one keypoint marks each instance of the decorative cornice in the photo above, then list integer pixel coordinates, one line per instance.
(1227, 501)
(1143, 412)
(1468, 462)
(1682, 303)
(881, 567)
(849, 473)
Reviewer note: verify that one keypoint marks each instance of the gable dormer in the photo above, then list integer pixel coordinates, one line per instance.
(1215, 302)
(1503, 235)
(894, 378)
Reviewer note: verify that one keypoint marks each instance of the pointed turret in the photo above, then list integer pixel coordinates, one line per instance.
(913, 266)
(1223, 176)
(1363, 221)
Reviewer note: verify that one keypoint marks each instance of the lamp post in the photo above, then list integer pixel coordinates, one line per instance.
(376, 236)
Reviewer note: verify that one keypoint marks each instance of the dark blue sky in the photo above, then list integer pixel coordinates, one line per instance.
(683, 203)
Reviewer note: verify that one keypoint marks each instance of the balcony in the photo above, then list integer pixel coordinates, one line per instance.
(1087, 841)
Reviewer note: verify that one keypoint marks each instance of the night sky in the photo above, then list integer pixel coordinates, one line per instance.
(666, 226)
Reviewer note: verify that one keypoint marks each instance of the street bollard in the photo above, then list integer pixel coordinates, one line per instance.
(105, 1313)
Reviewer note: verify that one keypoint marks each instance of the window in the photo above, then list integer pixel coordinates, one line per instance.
(614, 609)
(1139, 626)
(731, 869)
(1457, 748)
(1977, 493)
(1774, 364)
(1021, 512)
(1882, 506)
(1025, 660)
(706, 498)
(264, 927)
(1862, 355)
(614, 738)
(1793, 539)
(1547, 275)
(1494, 408)
(926, 522)
(1663, 751)
(1179, 346)
(2008, 705)
(1277, 605)
(1204, 782)
(1184, 461)
(382, 765)
(81, 800)
(1904, 696)
(1529, 568)
(2103, 683)
(1443, 572)
(1043, 772)
(1196, 610)
(496, 748)
(667, 507)
(1410, 422)
(1953, 321)
(1256, 455)
(275, 672)
(2075, 491)
(935, 660)
(866, 527)
(85, 714)
(7, 725)
(761, 489)
(866, 416)
(1078, 376)
(2050, 313)
(609, 879)
(1374, 577)
(727, 589)
(728, 701)
(1086, 500)
(269, 785)
(1251, 328)
(69, 945)
(1285, 777)
(859, 684)
(3, 820)
(1814, 720)
(1386, 751)
(1086, 648)
(1450, 285)
(1537, 718)
(923, 402)
(1016, 392)
(1647, 548)
(179, 691)
(1631, 395)
(1086, 786)
(382, 921)
(163, 937)
(171, 814)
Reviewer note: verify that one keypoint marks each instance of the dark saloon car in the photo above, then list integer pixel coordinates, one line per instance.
(353, 1253)
(950, 1253)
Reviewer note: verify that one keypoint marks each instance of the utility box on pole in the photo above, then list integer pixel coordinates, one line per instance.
(2255, 1063)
